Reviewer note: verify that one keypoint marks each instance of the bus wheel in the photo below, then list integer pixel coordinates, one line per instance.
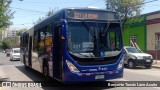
(46, 71)
(24, 61)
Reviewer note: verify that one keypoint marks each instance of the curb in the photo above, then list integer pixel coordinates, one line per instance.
(153, 66)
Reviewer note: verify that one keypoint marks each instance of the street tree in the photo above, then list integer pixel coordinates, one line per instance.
(126, 8)
(10, 42)
(5, 14)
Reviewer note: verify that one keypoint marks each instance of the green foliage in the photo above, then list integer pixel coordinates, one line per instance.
(126, 8)
(134, 21)
(5, 13)
(39, 20)
(51, 12)
(10, 42)
(5, 45)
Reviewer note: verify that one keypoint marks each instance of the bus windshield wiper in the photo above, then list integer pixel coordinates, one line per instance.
(92, 32)
(82, 54)
(105, 29)
(79, 54)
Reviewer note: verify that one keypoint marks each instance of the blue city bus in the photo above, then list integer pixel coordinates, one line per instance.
(75, 45)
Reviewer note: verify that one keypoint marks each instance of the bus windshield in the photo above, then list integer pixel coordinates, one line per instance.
(94, 39)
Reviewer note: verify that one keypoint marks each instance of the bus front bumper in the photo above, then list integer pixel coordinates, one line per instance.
(88, 77)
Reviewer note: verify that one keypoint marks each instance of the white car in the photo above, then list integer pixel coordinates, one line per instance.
(135, 57)
(15, 54)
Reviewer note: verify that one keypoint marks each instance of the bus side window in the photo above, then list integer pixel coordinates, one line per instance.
(36, 40)
(48, 39)
(42, 40)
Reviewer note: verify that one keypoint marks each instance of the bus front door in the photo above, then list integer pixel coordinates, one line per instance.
(57, 53)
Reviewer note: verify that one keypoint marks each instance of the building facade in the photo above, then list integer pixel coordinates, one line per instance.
(146, 33)
(11, 33)
(135, 32)
(153, 34)
(8, 33)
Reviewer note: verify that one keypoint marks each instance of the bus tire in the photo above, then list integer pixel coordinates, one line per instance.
(24, 61)
(46, 71)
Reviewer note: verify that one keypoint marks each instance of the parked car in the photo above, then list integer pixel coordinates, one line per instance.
(15, 54)
(135, 57)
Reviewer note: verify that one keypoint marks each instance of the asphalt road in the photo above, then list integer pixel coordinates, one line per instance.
(4, 60)
(15, 71)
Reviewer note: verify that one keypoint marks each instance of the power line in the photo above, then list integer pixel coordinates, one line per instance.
(142, 3)
(101, 4)
(94, 3)
(22, 24)
(149, 1)
(24, 15)
(49, 3)
(152, 5)
(146, 2)
(28, 10)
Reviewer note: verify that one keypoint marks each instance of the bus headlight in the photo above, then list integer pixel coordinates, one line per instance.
(121, 63)
(71, 66)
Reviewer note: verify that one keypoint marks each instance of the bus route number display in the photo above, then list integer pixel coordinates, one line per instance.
(85, 15)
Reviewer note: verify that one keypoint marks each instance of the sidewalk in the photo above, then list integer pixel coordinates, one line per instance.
(156, 64)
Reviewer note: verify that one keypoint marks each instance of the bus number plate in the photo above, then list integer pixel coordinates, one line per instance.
(99, 77)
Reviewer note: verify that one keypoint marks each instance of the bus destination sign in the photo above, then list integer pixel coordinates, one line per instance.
(92, 14)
